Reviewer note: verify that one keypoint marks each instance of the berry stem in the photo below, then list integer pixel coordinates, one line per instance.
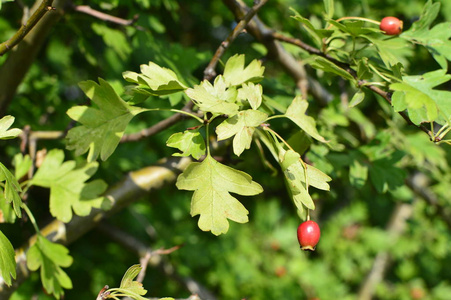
(355, 18)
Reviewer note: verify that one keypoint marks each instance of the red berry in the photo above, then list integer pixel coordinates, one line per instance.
(391, 25)
(308, 235)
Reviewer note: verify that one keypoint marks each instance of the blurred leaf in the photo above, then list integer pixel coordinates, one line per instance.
(114, 39)
(7, 261)
(50, 257)
(217, 98)
(384, 173)
(68, 189)
(242, 126)
(317, 34)
(236, 74)
(5, 123)
(326, 65)
(190, 142)
(212, 183)
(22, 165)
(357, 98)
(102, 127)
(296, 112)
(155, 80)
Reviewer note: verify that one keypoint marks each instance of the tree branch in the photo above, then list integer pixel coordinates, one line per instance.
(22, 56)
(209, 72)
(46, 5)
(276, 51)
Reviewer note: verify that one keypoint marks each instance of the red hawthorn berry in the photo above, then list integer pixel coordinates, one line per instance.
(308, 235)
(391, 25)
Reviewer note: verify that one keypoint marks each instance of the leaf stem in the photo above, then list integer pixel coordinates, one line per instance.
(31, 217)
(177, 111)
(355, 18)
(207, 134)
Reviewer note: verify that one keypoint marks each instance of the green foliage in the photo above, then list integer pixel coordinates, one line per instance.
(326, 131)
(50, 257)
(7, 262)
(68, 189)
(102, 127)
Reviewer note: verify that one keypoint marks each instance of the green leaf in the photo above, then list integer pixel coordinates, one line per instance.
(50, 257)
(11, 189)
(7, 213)
(296, 113)
(236, 74)
(436, 40)
(417, 94)
(189, 142)
(252, 93)
(7, 260)
(326, 65)
(114, 39)
(212, 183)
(22, 165)
(295, 176)
(384, 173)
(68, 189)
(155, 80)
(329, 7)
(6, 134)
(102, 127)
(357, 98)
(358, 174)
(317, 34)
(131, 286)
(242, 126)
(217, 98)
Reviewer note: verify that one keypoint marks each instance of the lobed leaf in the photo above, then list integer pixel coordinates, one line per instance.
(50, 257)
(155, 80)
(242, 126)
(102, 127)
(217, 98)
(212, 183)
(5, 132)
(131, 286)
(296, 113)
(68, 189)
(11, 190)
(236, 74)
(251, 92)
(189, 142)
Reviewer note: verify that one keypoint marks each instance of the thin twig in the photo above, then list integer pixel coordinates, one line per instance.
(86, 9)
(210, 72)
(276, 51)
(347, 68)
(45, 6)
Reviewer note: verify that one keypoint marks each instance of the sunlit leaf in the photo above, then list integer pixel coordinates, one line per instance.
(212, 183)
(68, 187)
(217, 98)
(296, 113)
(189, 142)
(102, 127)
(235, 73)
(5, 132)
(11, 189)
(242, 126)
